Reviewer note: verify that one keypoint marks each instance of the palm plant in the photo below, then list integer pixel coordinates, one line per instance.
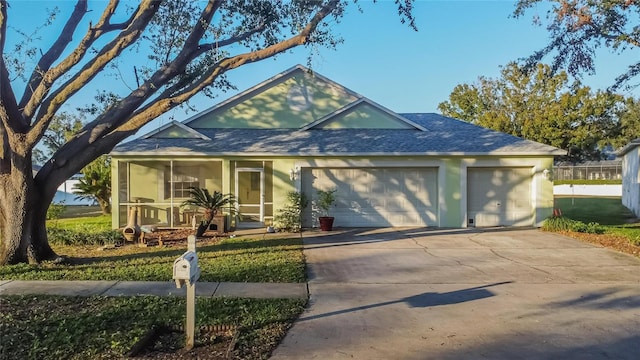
(96, 183)
(211, 203)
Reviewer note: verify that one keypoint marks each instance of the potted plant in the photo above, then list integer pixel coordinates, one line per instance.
(213, 204)
(326, 199)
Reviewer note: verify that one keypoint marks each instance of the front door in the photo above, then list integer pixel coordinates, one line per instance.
(250, 195)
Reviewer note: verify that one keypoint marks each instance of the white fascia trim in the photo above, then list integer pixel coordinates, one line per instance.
(367, 163)
(274, 155)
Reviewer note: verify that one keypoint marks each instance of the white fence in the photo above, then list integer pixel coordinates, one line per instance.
(587, 190)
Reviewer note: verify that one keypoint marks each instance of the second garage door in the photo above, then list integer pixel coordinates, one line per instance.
(499, 197)
(376, 197)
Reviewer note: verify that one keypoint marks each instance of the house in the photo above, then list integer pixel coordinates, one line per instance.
(630, 182)
(300, 131)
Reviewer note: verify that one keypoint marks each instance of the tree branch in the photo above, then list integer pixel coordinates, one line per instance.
(164, 104)
(105, 122)
(50, 106)
(34, 96)
(56, 49)
(10, 116)
(101, 135)
(230, 41)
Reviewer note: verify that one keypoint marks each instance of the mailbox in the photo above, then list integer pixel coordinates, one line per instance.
(186, 269)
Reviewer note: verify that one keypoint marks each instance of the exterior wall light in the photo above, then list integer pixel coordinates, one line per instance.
(547, 174)
(294, 173)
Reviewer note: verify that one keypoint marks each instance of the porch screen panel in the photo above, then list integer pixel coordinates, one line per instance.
(268, 190)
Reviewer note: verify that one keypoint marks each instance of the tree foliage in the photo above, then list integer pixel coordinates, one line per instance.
(540, 106)
(63, 127)
(578, 27)
(146, 58)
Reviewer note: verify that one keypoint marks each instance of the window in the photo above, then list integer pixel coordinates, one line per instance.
(183, 178)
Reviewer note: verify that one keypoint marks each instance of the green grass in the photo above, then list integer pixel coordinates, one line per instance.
(610, 212)
(53, 327)
(74, 211)
(606, 211)
(237, 259)
(100, 222)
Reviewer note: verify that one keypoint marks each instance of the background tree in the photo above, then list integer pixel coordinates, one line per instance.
(62, 128)
(183, 47)
(542, 107)
(578, 27)
(629, 125)
(95, 183)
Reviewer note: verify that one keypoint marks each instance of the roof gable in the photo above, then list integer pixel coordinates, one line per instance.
(363, 114)
(287, 101)
(175, 130)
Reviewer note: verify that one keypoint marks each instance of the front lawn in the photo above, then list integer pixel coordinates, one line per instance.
(54, 327)
(238, 259)
(230, 259)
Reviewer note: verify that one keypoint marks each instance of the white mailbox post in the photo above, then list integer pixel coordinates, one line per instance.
(187, 271)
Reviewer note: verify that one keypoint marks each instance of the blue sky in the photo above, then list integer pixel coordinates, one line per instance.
(408, 71)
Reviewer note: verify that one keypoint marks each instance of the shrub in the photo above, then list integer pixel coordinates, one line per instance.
(561, 223)
(55, 211)
(83, 235)
(289, 218)
(557, 223)
(326, 199)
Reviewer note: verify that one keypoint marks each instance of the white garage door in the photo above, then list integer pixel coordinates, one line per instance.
(375, 197)
(499, 197)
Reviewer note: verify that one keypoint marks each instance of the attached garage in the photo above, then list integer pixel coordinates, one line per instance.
(375, 197)
(500, 196)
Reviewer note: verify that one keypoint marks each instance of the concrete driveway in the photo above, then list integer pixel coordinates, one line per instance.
(465, 294)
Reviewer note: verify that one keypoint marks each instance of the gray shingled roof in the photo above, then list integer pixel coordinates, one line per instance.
(444, 136)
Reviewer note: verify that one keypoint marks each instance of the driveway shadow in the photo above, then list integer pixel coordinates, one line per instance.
(356, 236)
(424, 300)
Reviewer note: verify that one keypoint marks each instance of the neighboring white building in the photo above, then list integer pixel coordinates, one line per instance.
(630, 182)
(64, 194)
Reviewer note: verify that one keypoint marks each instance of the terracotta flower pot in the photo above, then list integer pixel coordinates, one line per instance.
(326, 223)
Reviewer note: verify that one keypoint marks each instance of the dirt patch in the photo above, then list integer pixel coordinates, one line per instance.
(170, 237)
(615, 242)
(211, 344)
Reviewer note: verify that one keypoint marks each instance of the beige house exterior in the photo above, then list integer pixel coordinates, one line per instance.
(300, 131)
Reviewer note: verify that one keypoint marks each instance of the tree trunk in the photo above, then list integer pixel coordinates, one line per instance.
(105, 206)
(23, 212)
(206, 221)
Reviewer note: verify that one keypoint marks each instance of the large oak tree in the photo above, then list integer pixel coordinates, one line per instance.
(185, 47)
